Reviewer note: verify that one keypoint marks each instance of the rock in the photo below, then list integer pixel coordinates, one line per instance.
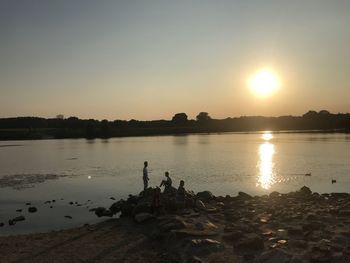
(344, 213)
(220, 204)
(69, 217)
(304, 191)
(338, 257)
(233, 236)
(298, 243)
(112, 198)
(295, 231)
(172, 224)
(190, 233)
(205, 196)
(340, 240)
(117, 206)
(2, 224)
(199, 226)
(313, 225)
(19, 218)
(244, 195)
(19, 210)
(274, 194)
(206, 246)
(212, 210)
(200, 205)
(28, 203)
(311, 216)
(32, 209)
(194, 259)
(101, 211)
(142, 208)
(275, 256)
(250, 242)
(321, 257)
(346, 251)
(142, 217)
(16, 219)
(71, 203)
(127, 209)
(47, 202)
(340, 195)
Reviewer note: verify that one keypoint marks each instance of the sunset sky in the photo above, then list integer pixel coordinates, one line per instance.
(151, 59)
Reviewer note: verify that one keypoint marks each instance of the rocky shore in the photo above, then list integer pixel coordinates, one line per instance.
(296, 227)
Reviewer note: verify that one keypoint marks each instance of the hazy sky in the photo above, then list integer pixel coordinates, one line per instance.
(151, 59)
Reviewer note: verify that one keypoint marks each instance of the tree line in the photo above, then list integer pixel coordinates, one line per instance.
(41, 128)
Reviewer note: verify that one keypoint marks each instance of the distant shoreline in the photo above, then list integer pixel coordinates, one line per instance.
(42, 136)
(35, 128)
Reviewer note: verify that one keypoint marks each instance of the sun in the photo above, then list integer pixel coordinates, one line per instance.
(264, 83)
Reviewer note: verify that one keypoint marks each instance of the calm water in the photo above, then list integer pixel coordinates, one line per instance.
(99, 169)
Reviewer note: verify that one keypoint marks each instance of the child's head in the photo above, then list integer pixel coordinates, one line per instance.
(182, 183)
(167, 174)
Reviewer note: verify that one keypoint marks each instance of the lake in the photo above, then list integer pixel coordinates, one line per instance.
(91, 172)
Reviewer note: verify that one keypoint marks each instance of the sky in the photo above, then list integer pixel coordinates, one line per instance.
(151, 59)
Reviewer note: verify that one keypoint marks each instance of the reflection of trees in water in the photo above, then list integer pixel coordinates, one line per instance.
(90, 141)
(204, 139)
(180, 139)
(105, 141)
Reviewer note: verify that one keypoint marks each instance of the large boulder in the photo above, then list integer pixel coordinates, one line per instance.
(304, 192)
(101, 211)
(244, 196)
(117, 206)
(205, 196)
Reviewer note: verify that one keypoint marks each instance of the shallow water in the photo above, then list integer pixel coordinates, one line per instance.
(78, 170)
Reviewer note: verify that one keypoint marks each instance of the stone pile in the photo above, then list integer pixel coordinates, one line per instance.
(296, 227)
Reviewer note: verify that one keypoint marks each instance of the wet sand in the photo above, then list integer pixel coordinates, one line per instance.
(115, 240)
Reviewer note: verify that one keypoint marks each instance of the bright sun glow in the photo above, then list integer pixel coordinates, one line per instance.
(264, 82)
(267, 136)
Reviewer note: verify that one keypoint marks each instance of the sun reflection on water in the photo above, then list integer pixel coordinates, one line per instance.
(266, 164)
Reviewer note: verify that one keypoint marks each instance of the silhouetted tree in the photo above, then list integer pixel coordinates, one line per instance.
(203, 117)
(324, 112)
(180, 118)
(73, 127)
(310, 113)
(104, 128)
